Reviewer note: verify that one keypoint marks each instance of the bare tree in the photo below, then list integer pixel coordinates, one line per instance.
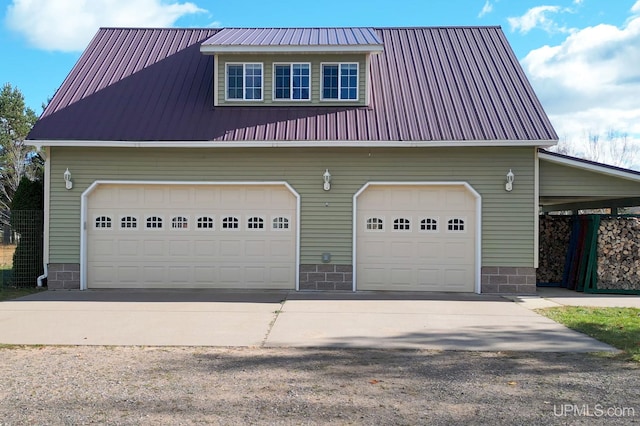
(615, 148)
(16, 158)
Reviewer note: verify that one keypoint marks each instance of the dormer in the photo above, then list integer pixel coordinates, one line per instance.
(292, 66)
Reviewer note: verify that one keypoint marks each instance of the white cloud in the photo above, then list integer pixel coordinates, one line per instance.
(591, 81)
(636, 7)
(69, 25)
(488, 8)
(537, 17)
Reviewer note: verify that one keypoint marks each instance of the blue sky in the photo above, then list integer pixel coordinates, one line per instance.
(581, 56)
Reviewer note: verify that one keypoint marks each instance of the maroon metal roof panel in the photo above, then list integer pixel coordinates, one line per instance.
(294, 37)
(429, 84)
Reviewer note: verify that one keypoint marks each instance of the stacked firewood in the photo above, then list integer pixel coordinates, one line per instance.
(619, 253)
(555, 232)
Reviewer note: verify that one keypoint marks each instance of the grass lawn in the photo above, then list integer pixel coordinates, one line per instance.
(618, 327)
(9, 293)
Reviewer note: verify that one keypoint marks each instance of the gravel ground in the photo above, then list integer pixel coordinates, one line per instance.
(231, 386)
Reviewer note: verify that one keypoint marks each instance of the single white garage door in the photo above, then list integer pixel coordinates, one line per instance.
(191, 236)
(416, 238)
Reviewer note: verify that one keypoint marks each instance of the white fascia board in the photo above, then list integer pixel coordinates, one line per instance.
(597, 168)
(356, 48)
(283, 144)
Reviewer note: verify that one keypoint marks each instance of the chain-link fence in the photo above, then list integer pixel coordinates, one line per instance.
(21, 249)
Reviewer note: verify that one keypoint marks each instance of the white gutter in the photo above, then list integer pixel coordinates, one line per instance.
(288, 144)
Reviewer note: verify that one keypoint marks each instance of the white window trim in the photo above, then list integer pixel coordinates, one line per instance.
(244, 86)
(457, 231)
(284, 216)
(128, 229)
(393, 222)
(265, 224)
(290, 99)
(366, 223)
(339, 99)
(430, 231)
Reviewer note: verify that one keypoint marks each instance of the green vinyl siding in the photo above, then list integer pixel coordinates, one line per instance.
(557, 180)
(315, 60)
(508, 222)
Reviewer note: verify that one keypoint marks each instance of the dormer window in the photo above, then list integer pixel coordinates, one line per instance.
(292, 82)
(244, 82)
(340, 81)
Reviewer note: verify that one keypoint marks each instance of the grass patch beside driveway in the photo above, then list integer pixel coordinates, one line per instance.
(10, 293)
(618, 327)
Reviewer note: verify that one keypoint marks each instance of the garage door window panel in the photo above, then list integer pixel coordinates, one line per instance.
(103, 222)
(429, 225)
(180, 223)
(205, 222)
(280, 223)
(456, 225)
(402, 224)
(154, 222)
(255, 223)
(375, 224)
(128, 222)
(230, 223)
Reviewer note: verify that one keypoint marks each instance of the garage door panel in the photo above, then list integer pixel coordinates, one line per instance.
(402, 276)
(429, 277)
(230, 249)
(179, 248)
(429, 250)
(205, 248)
(416, 258)
(181, 254)
(402, 250)
(255, 248)
(104, 247)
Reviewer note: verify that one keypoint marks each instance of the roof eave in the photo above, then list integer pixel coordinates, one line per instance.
(590, 166)
(360, 48)
(39, 144)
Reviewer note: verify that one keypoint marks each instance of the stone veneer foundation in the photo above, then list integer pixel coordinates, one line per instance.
(63, 276)
(325, 276)
(508, 280)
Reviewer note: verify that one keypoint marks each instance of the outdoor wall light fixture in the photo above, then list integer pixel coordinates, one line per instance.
(510, 178)
(67, 179)
(326, 177)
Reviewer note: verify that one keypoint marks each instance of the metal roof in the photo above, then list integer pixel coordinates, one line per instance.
(439, 85)
(293, 37)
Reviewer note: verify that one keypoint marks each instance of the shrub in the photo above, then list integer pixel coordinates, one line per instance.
(27, 220)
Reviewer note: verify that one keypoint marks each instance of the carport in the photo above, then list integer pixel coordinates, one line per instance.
(579, 248)
(572, 184)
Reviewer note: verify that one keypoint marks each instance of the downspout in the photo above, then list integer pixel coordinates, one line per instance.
(43, 276)
(45, 235)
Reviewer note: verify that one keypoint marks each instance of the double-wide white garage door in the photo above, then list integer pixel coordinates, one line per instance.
(190, 236)
(416, 238)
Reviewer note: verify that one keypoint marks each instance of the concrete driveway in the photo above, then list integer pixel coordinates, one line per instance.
(286, 319)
